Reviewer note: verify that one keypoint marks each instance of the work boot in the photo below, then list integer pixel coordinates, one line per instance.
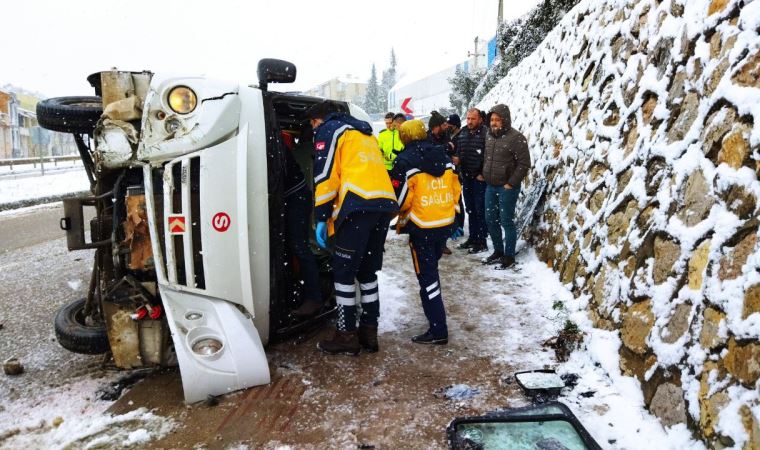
(506, 262)
(466, 244)
(493, 257)
(428, 339)
(478, 247)
(342, 343)
(368, 338)
(308, 308)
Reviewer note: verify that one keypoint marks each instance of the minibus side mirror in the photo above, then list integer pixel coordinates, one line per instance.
(272, 70)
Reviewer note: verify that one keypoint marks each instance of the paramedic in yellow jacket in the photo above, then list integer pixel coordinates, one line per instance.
(429, 198)
(354, 201)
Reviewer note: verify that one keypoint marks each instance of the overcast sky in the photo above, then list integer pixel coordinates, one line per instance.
(51, 46)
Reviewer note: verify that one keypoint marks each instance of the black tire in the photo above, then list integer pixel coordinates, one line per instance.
(75, 335)
(70, 114)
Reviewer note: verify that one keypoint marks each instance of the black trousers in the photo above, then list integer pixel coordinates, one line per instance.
(357, 257)
(425, 255)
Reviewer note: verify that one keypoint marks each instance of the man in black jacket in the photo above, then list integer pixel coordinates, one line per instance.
(470, 144)
(506, 162)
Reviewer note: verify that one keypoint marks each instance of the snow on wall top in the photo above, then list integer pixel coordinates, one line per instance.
(645, 117)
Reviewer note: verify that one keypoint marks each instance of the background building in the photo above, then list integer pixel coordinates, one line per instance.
(347, 89)
(430, 91)
(21, 136)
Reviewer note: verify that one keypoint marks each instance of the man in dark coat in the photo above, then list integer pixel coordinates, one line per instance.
(506, 162)
(469, 146)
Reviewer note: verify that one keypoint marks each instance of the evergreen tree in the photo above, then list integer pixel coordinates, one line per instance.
(388, 80)
(463, 87)
(520, 37)
(372, 100)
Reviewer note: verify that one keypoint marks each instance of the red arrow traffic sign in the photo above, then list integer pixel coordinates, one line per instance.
(405, 105)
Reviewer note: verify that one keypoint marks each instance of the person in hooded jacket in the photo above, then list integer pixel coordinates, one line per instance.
(354, 201)
(505, 164)
(429, 200)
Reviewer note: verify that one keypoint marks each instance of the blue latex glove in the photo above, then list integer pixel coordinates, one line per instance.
(321, 234)
(459, 232)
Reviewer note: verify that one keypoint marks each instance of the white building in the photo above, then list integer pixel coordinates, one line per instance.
(430, 92)
(347, 89)
(427, 94)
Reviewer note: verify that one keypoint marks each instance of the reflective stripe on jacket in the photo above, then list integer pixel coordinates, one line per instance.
(391, 145)
(349, 173)
(429, 189)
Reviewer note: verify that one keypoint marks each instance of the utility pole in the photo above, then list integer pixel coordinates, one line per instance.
(500, 19)
(15, 136)
(475, 54)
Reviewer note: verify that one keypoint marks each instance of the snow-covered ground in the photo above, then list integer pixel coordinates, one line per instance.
(31, 185)
(517, 315)
(520, 314)
(37, 169)
(72, 416)
(514, 312)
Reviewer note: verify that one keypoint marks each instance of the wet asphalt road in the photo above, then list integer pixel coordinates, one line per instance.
(37, 276)
(29, 227)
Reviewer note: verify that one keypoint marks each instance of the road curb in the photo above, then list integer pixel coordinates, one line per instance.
(40, 200)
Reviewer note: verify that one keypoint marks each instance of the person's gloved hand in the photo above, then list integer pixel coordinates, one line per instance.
(459, 232)
(321, 234)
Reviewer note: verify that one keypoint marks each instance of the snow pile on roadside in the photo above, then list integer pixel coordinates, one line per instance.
(514, 314)
(13, 189)
(71, 416)
(610, 406)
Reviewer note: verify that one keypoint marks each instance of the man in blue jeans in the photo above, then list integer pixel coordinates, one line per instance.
(505, 164)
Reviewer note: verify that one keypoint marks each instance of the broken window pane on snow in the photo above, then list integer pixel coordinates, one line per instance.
(544, 435)
(540, 380)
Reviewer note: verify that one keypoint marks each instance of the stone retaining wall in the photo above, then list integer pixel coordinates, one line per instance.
(645, 117)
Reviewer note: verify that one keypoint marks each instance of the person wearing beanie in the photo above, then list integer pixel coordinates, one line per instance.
(453, 125)
(505, 164)
(428, 201)
(354, 202)
(438, 136)
(436, 120)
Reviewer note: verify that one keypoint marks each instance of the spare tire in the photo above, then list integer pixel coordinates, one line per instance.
(70, 114)
(75, 334)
